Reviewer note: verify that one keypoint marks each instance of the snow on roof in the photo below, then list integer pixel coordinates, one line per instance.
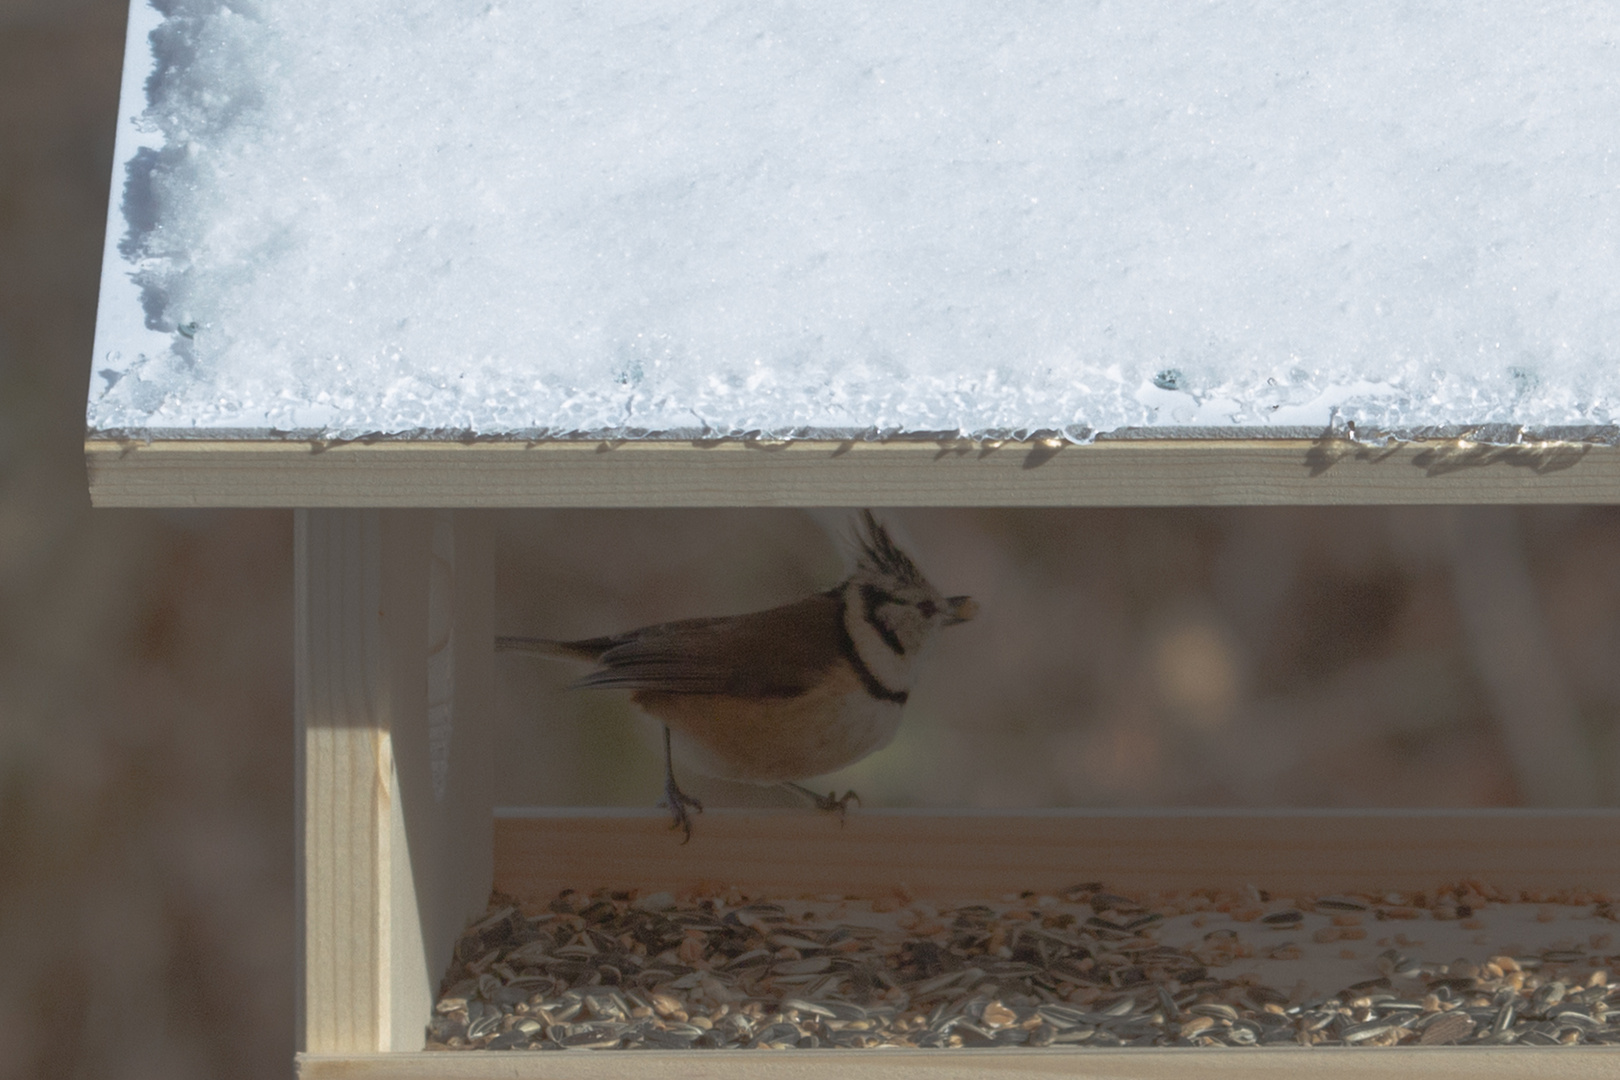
(716, 217)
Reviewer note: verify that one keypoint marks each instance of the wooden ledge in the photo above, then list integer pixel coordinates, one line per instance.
(1137, 1063)
(1167, 472)
(965, 856)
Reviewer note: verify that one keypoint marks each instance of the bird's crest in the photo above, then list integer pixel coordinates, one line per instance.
(878, 553)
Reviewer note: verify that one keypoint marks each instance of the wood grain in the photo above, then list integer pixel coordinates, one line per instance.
(343, 773)
(1272, 1063)
(583, 474)
(974, 856)
(390, 869)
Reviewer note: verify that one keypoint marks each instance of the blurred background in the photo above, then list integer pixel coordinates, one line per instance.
(1310, 657)
(1419, 656)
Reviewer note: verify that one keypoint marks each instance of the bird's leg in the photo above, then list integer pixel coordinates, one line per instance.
(674, 798)
(829, 802)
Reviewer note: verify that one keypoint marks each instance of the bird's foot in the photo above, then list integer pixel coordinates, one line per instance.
(678, 801)
(830, 802)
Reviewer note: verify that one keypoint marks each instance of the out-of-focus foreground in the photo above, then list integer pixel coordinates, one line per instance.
(1192, 657)
(146, 873)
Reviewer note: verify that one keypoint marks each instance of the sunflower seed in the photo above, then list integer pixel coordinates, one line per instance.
(594, 1036)
(1340, 903)
(1574, 1018)
(793, 941)
(812, 965)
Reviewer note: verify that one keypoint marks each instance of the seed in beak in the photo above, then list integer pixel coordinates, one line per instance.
(959, 609)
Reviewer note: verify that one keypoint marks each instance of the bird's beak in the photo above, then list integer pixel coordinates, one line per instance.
(960, 609)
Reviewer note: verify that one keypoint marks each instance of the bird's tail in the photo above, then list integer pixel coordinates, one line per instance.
(584, 649)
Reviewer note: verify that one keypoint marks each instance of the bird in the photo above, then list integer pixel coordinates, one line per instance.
(778, 696)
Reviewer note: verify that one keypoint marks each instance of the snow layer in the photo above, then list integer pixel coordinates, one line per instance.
(833, 216)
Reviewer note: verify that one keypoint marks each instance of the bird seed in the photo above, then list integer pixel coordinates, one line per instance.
(1085, 968)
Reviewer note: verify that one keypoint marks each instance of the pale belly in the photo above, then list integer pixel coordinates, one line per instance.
(766, 742)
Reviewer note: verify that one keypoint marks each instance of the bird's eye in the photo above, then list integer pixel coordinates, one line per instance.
(928, 608)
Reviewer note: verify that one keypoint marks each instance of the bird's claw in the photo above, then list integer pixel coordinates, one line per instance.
(677, 801)
(827, 803)
(831, 803)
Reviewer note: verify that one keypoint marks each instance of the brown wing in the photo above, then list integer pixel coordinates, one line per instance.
(777, 653)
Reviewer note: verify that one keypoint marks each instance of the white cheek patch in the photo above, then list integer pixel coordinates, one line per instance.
(888, 667)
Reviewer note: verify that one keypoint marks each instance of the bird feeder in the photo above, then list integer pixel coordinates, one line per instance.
(403, 270)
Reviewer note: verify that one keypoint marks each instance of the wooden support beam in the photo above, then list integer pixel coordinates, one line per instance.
(393, 681)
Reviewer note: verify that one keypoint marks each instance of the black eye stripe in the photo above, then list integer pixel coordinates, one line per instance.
(846, 646)
(872, 598)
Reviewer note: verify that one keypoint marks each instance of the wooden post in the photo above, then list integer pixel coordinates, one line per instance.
(393, 622)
